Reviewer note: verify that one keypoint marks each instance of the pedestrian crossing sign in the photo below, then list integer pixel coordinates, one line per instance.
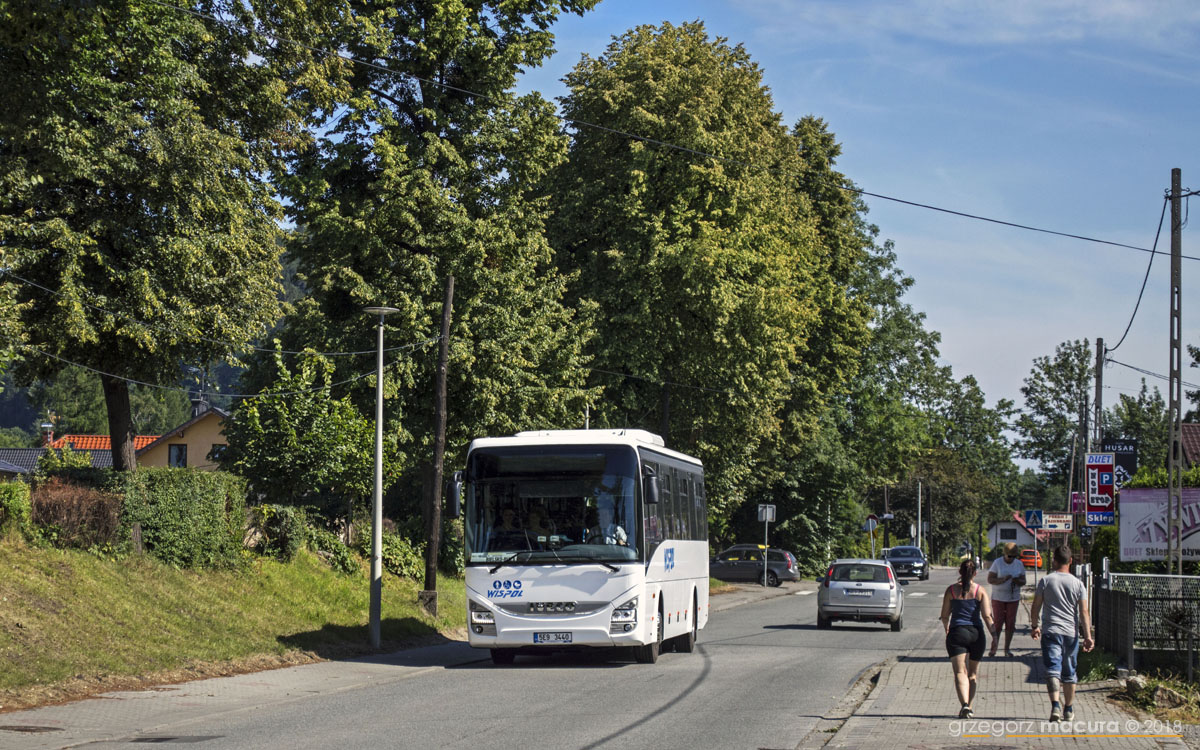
(1033, 519)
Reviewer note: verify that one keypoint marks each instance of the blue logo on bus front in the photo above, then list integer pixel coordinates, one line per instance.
(505, 589)
(669, 559)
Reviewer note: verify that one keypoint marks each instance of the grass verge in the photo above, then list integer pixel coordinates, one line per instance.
(73, 624)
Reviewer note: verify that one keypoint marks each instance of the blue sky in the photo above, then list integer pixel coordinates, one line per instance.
(1053, 113)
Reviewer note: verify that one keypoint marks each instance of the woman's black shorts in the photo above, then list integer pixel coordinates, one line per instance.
(966, 639)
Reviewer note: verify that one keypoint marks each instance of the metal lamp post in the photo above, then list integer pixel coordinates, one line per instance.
(377, 501)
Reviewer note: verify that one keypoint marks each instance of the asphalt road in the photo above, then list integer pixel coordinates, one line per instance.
(763, 676)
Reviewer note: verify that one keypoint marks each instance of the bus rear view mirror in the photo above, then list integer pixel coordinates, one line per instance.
(650, 486)
(455, 508)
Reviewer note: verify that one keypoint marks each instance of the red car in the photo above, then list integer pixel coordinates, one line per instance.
(1031, 558)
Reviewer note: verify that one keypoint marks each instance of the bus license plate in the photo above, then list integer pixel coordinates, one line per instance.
(551, 637)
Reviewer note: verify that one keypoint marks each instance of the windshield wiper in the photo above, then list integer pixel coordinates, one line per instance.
(557, 557)
(508, 559)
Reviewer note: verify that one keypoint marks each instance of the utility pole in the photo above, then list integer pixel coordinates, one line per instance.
(920, 528)
(433, 525)
(887, 512)
(1175, 447)
(1098, 418)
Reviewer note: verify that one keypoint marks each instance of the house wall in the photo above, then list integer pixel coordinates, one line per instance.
(1023, 537)
(199, 439)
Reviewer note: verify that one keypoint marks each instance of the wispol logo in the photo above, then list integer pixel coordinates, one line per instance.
(505, 589)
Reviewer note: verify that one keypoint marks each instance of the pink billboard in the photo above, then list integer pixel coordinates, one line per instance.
(1143, 527)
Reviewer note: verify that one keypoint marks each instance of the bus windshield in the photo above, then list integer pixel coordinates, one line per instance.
(551, 505)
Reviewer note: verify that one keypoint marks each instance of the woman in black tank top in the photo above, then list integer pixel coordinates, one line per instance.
(965, 608)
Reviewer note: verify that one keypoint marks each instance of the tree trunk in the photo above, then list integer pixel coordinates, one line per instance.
(120, 423)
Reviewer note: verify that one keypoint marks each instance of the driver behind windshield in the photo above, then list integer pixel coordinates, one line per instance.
(603, 531)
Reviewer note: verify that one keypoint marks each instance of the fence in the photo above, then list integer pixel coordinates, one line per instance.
(1148, 620)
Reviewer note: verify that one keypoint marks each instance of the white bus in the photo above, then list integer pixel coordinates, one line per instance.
(594, 538)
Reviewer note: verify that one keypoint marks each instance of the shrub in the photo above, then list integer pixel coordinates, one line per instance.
(333, 551)
(76, 515)
(400, 556)
(279, 530)
(452, 552)
(64, 458)
(188, 517)
(14, 507)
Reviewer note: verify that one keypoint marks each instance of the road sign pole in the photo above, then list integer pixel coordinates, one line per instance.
(766, 550)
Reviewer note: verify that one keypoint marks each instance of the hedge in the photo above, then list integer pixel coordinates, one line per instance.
(189, 518)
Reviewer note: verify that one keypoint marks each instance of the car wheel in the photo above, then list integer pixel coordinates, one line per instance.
(686, 643)
(648, 654)
(503, 656)
(823, 623)
(772, 579)
(898, 624)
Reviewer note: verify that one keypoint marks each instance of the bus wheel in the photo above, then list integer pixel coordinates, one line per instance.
(648, 654)
(503, 656)
(686, 644)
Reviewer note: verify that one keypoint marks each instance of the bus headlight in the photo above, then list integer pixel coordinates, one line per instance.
(626, 613)
(480, 616)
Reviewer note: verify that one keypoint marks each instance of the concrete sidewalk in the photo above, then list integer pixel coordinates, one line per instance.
(914, 705)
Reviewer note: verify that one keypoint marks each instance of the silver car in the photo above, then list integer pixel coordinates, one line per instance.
(860, 590)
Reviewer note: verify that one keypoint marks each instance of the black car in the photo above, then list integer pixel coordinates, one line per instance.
(744, 563)
(909, 561)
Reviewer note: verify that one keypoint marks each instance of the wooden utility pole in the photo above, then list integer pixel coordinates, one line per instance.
(433, 524)
(1098, 419)
(1175, 447)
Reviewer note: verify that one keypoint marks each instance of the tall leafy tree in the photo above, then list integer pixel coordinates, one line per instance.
(1056, 402)
(427, 169)
(300, 445)
(712, 286)
(134, 144)
(1144, 418)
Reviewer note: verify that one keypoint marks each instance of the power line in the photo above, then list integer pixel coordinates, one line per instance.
(1157, 234)
(652, 141)
(189, 391)
(1151, 374)
(168, 329)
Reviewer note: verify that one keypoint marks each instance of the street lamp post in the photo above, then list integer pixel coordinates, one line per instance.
(377, 500)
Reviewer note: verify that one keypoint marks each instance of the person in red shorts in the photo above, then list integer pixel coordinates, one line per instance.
(1007, 576)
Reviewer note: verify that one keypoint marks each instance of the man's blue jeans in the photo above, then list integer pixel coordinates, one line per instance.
(1060, 653)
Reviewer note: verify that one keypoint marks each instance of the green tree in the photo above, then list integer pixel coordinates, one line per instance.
(134, 144)
(1056, 404)
(720, 316)
(76, 400)
(15, 437)
(417, 179)
(298, 445)
(1143, 418)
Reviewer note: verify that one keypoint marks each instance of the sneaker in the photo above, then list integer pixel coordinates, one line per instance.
(1068, 713)
(965, 713)
(1055, 712)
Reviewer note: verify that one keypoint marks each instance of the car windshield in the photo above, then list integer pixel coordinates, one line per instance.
(860, 572)
(547, 505)
(897, 552)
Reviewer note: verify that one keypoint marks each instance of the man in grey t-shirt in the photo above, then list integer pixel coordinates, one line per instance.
(1061, 600)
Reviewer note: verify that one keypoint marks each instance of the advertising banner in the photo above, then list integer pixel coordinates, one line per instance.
(1143, 532)
(1101, 490)
(1057, 521)
(1125, 458)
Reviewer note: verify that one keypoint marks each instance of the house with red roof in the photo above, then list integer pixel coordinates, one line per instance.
(1015, 531)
